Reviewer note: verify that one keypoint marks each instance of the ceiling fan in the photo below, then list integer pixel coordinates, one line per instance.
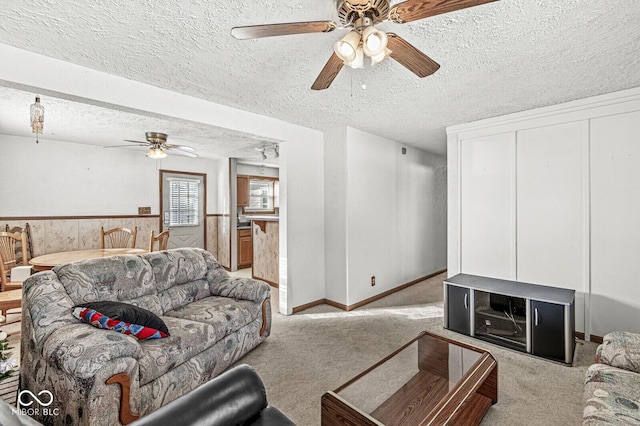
(364, 39)
(158, 146)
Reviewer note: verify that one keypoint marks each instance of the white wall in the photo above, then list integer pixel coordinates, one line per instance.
(487, 191)
(615, 215)
(302, 255)
(394, 216)
(576, 213)
(335, 208)
(54, 178)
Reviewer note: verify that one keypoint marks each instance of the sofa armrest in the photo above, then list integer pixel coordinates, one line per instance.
(80, 350)
(241, 288)
(46, 302)
(236, 397)
(620, 349)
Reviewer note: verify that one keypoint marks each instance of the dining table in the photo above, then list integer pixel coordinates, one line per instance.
(51, 260)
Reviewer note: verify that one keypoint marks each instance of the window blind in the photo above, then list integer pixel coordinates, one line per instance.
(183, 202)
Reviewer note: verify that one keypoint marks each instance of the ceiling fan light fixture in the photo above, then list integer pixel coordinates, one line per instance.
(380, 56)
(156, 152)
(374, 42)
(358, 62)
(347, 47)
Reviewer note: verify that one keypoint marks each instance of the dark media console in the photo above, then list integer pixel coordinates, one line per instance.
(536, 319)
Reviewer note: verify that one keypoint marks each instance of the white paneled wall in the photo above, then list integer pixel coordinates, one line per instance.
(487, 214)
(552, 206)
(615, 218)
(552, 196)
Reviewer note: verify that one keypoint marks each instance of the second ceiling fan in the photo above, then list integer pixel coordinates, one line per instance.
(364, 39)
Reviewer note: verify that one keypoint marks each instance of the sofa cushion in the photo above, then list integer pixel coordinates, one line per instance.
(224, 314)
(611, 396)
(183, 294)
(620, 349)
(177, 266)
(117, 278)
(128, 313)
(188, 338)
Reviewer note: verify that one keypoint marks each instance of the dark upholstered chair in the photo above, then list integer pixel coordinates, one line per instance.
(235, 397)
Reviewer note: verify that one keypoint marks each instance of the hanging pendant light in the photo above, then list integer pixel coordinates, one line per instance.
(37, 118)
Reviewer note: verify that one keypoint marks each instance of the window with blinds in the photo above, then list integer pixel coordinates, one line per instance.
(260, 195)
(183, 202)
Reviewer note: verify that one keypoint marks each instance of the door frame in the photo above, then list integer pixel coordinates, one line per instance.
(161, 175)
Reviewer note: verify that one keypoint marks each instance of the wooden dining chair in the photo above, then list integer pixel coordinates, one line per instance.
(18, 230)
(9, 243)
(10, 294)
(119, 237)
(162, 239)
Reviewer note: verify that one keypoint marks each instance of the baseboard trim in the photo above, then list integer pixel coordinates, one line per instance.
(271, 283)
(593, 338)
(596, 339)
(309, 305)
(366, 301)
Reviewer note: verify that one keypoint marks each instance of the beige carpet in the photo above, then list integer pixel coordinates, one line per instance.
(317, 350)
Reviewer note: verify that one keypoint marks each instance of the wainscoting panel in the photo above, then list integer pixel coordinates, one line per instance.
(53, 235)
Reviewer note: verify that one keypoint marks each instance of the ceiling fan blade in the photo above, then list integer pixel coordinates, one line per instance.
(120, 146)
(182, 147)
(183, 152)
(412, 10)
(328, 73)
(410, 57)
(144, 143)
(270, 30)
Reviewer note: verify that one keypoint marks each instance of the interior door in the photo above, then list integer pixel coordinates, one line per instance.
(183, 208)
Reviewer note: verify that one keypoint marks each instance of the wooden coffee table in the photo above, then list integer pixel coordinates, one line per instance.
(431, 380)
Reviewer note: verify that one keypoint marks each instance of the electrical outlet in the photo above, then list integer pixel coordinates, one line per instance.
(373, 281)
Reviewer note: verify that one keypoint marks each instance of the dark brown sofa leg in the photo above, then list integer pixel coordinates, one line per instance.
(126, 416)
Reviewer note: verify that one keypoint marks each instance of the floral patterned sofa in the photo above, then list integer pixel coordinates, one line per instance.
(213, 321)
(612, 384)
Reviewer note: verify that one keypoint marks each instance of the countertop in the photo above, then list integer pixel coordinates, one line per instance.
(264, 217)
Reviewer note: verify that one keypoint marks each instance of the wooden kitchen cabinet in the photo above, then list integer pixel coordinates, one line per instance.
(245, 248)
(243, 191)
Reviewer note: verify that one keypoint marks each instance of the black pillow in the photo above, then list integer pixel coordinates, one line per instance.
(127, 313)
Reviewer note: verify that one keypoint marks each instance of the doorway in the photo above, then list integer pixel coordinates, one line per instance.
(183, 208)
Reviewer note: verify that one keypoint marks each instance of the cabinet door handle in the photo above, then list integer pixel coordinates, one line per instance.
(466, 301)
(535, 314)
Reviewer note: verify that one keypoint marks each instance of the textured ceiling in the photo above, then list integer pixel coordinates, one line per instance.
(497, 58)
(94, 125)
